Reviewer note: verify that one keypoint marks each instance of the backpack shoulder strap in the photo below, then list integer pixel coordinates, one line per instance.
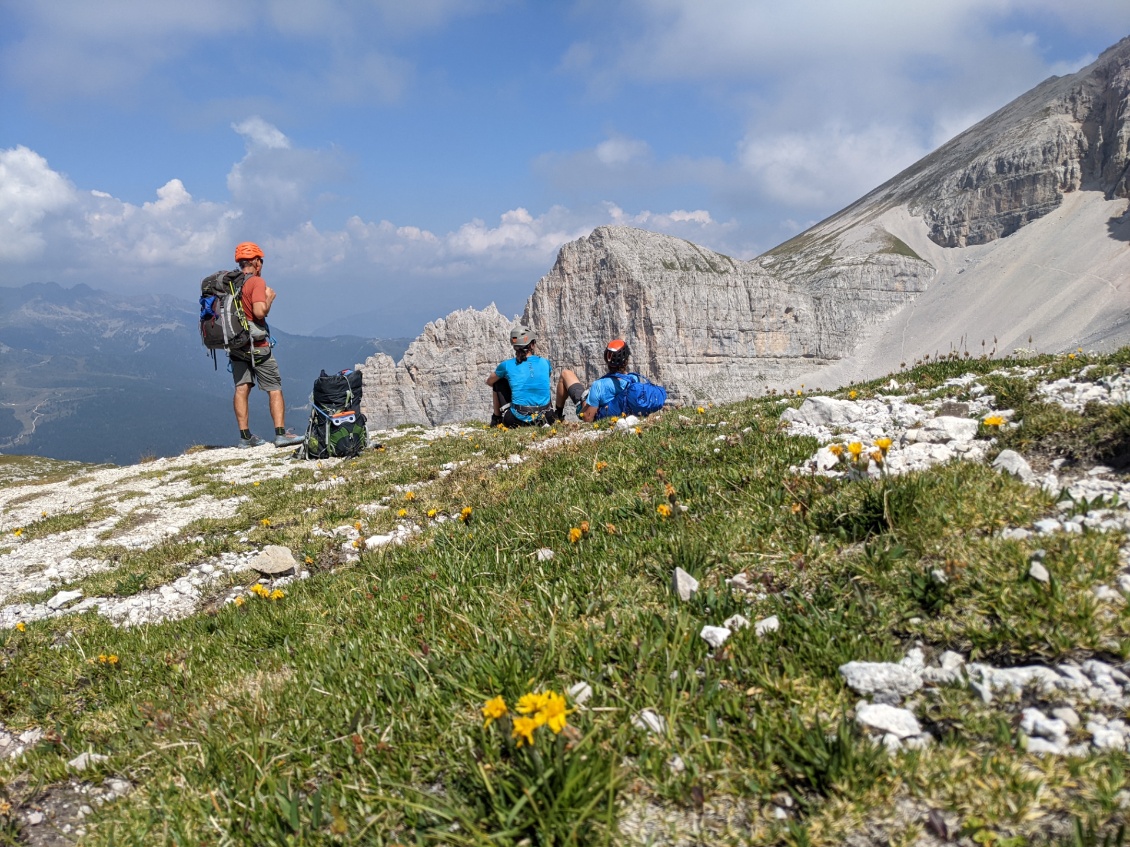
(235, 280)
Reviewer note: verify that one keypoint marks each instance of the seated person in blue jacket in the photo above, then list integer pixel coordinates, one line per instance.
(523, 395)
(593, 403)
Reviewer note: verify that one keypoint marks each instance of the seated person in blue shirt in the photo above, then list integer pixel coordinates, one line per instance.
(593, 403)
(522, 384)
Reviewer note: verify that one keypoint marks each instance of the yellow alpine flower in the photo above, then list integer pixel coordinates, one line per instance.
(554, 713)
(993, 420)
(465, 515)
(853, 394)
(432, 513)
(524, 730)
(836, 449)
(409, 495)
(21, 626)
(664, 510)
(855, 448)
(601, 466)
(575, 535)
(402, 513)
(278, 594)
(883, 444)
(494, 709)
(531, 703)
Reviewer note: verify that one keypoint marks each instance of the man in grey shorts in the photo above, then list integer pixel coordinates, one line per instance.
(257, 365)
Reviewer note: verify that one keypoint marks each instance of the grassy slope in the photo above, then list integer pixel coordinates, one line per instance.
(348, 710)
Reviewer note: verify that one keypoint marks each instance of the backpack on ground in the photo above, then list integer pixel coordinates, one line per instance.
(337, 428)
(635, 396)
(223, 324)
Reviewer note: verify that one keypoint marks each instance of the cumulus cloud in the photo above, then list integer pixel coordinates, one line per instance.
(29, 192)
(276, 184)
(52, 230)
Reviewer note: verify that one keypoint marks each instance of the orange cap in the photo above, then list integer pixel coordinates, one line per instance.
(248, 250)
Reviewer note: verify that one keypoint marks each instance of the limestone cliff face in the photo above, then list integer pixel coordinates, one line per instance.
(442, 376)
(703, 324)
(1068, 133)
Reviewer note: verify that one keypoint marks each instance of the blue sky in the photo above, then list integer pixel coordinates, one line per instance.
(397, 161)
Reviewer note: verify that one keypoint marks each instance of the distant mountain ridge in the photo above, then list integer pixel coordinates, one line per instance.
(1015, 233)
(91, 376)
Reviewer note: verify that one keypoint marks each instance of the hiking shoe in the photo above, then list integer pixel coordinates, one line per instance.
(253, 441)
(288, 440)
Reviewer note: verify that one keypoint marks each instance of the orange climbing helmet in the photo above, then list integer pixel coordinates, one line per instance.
(248, 250)
(617, 353)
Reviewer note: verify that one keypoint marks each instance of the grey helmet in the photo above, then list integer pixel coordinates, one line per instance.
(522, 336)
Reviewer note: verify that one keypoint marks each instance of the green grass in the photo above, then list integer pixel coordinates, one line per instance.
(348, 711)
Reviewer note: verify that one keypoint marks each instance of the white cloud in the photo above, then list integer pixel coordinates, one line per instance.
(29, 192)
(275, 184)
(75, 48)
(258, 133)
(831, 166)
(619, 151)
(835, 97)
(50, 230)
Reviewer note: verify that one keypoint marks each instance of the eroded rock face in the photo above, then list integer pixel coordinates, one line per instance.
(442, 377)
(1067, 134)
(705, 325)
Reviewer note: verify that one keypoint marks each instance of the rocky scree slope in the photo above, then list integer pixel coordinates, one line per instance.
(840, 302)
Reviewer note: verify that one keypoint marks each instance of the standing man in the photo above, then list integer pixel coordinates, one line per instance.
(257, 366)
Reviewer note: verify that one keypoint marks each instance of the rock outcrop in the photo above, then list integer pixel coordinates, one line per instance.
(955, 235)
(1015, 166)
(442, 376)
(708, 327)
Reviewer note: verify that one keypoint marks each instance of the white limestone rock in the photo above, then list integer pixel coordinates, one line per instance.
(900, 723)
(1011, 462)
(683, 585)
(884, 680)
(715, 636)
(766, 625)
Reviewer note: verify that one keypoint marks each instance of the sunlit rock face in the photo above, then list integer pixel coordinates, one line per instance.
(442, 376)
(707, 326)
(1067, 134)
